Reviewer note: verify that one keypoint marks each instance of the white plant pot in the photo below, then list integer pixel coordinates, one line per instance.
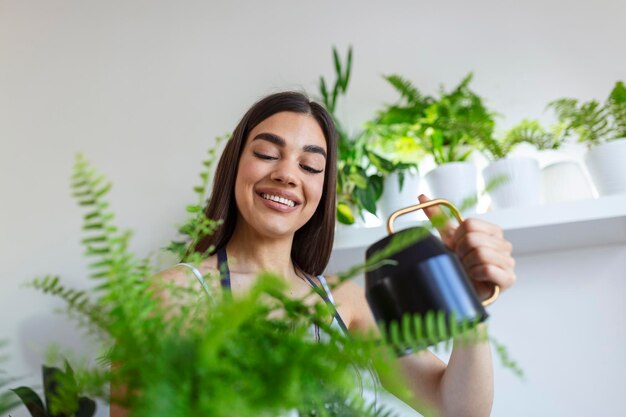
(521, 186)
(607, 166)
(455, 182)
(564, 181)
(393, 198)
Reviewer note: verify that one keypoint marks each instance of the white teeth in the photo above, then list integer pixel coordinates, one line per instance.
(281, 200)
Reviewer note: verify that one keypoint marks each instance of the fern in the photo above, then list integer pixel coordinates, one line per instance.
(77, 301)
(616, 104)
(197, 224)
(593, 122)
(406, 89)
(417, 332)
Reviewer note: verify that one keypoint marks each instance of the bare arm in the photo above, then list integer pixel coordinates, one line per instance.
(463, 387)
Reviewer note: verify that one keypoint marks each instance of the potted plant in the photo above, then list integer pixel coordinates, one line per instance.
(394, 149)
(358, 186)
(518, 177)
(450, 128)
(548, 143)
(602, 127)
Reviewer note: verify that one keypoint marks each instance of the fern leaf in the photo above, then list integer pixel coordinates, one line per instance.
(405, 88)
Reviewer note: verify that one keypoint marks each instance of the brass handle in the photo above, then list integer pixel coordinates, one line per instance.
(457, 214)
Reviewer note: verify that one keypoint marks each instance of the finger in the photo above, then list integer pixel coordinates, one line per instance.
(478, 225)
(488, 275)
(440, 220)
(487, 256)
(472, 240)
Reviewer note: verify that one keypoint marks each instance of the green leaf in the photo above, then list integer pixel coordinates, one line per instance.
(346, 75)
(32, 401)
(193, 209)
(344, 214)
(337, 62)
(367, 198)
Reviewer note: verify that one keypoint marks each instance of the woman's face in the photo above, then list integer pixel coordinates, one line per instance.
(280, 178)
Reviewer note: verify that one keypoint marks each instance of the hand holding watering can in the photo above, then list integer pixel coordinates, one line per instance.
(461, 277)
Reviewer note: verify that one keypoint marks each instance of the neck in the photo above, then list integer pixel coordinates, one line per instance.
(251, 253)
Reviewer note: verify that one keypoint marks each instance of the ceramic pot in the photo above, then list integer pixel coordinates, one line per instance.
(455, 182)
(564, 181)
(521, 182)
(607, 166)
(393, 198)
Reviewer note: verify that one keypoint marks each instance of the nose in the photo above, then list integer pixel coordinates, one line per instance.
(283, 173)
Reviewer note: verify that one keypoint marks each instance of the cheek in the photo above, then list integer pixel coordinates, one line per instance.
(317, 189)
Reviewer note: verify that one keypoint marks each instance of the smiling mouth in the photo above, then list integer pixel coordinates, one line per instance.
(285, 201)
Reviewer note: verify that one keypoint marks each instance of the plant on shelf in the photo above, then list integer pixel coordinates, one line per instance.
(451, 127)
(392, 143)
(455, 122)
(519, 177)
(526, 131)
(592, 122)
(359, 186)
(602, 127)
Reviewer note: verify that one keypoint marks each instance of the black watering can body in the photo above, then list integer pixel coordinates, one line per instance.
(422, 277)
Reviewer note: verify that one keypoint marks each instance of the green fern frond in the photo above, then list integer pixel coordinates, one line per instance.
(405, 88)
(197, 224)
(593, 122)
(617, 107)
(505, 358)
(77, 300)
(417, 332)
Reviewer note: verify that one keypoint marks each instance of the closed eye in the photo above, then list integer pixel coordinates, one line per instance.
(263, 156)
(311, 169)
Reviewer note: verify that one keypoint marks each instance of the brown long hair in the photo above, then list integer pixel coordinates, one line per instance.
(312, 243)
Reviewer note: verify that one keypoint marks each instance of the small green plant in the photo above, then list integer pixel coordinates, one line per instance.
(455, 122)
(592, 122)
(197, 225)
(392, 144)
(447, 127)
(526, 131)
(60, 393)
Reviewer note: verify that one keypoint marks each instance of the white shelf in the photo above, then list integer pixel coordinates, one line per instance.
(540, 229)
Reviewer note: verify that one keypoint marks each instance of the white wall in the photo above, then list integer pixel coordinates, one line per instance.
(142, 87)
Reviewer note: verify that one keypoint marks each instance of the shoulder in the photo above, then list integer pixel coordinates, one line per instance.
(352, 304)
(183, 275)
(166, 281)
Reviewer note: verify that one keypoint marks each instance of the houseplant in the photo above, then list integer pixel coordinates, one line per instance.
(602, 127)
(555, 165)
(394, 148)
(446, 127)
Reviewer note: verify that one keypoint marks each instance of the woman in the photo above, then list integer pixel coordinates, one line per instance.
(275, 190)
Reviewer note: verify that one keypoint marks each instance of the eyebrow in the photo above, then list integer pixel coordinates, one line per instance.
(278, 141)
